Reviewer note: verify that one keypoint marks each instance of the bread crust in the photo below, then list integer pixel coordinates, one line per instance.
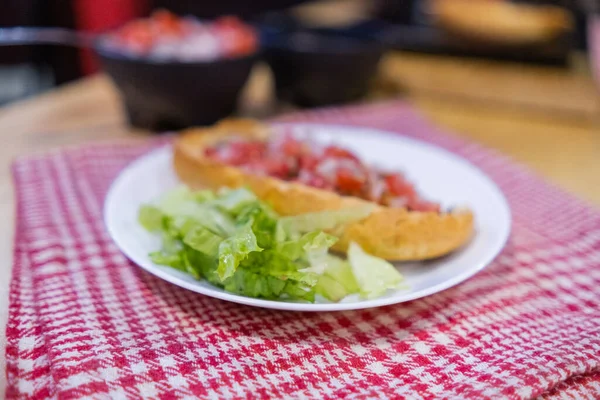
(501, 22)
(390, 233)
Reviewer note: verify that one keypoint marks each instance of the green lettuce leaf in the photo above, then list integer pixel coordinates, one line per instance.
(317, 251)
(203, 196)
(299, 290)
(324, 220)
(338, 280)
(200, 265)
(234, 249)
(203, 240)
(374, 275)
(308, 244)
(181, 205)
(276, 264)
(341, 271)
(233, 201)
(330, 288)
(262, 220)
(172, 260)
(254, 284)
(179, 260)
(151, 218)
(251, 283)
(237, 242)
(176, 199)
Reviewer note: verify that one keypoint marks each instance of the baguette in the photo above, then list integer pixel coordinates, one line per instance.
(501, 22)
(391, 233)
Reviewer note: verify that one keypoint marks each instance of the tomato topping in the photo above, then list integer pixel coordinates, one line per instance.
(271, 167)
(138, 36)
(398, 186)
(405, 193)
(278, 168)
(237, 38)
(348, 182)
(165, 35)
(334, 168)
(338, 152)
(309, 162)
(291, 147)
(252, 150)
(167, 23)
(237, 152)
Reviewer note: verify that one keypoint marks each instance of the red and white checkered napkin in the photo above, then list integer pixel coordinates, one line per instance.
(85, 322)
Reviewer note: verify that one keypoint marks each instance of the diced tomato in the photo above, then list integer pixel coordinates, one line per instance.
(246, 44)
(348, 182)
(398, 186)
(309, 162)
(236, 37)
(336, 169)
(338, 152)
(137, 35)
(290, 146)
(253, 150)
(140, 36)
(277, 168)
(167, 22)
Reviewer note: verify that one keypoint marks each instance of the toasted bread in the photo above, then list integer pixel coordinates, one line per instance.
(501, 22)
(390, 233)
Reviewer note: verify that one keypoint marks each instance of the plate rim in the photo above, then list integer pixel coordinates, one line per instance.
(312, 307)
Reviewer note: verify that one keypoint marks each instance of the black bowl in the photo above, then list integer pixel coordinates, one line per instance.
(316, 69)
(174, 95)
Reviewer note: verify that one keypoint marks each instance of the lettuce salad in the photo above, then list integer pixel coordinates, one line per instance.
(237, 242)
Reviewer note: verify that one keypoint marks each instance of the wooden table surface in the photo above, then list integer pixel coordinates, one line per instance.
(547, 118)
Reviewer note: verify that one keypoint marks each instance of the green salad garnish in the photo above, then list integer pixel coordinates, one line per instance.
(237, 242)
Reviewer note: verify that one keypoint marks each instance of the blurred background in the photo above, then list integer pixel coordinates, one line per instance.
(546, 32)
(559, 33)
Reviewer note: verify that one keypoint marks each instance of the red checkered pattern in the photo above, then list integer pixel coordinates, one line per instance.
(86, 323)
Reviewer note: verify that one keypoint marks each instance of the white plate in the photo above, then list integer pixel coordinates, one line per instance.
(438, 174)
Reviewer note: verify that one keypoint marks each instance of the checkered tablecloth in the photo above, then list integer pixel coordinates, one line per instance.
(87, 323)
